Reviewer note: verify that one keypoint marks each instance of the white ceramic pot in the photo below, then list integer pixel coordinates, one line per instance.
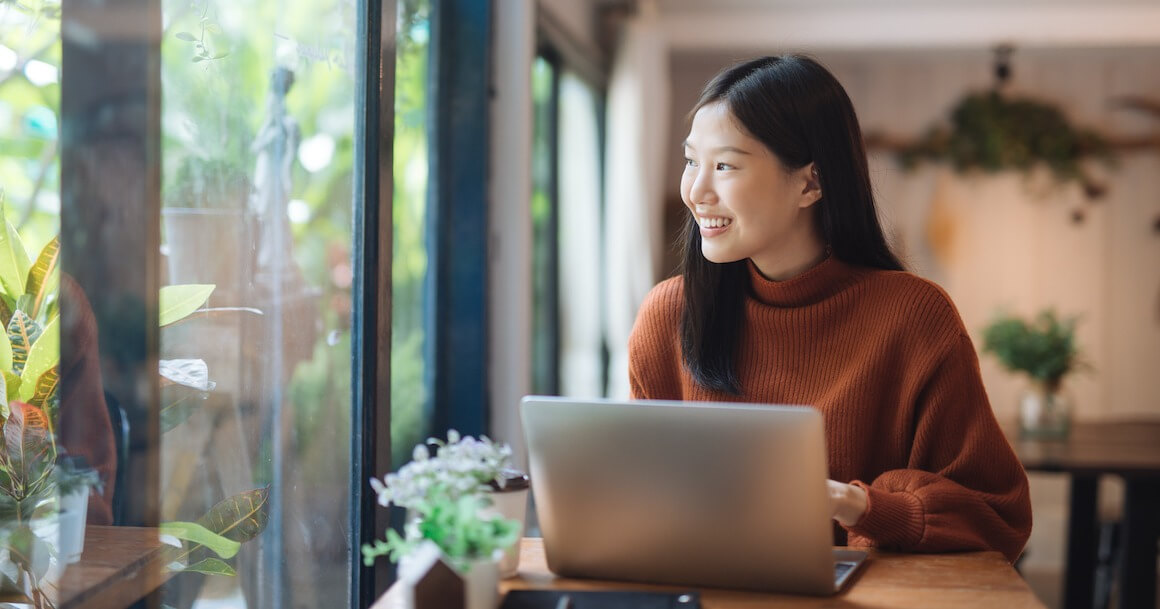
(513, 505)
(74, 509)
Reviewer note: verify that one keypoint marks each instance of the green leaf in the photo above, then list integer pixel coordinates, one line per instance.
(22, 334)
(198, 58)
(46, 395)
(43, 277)
(241, 517)
(30, 552)
(44, 355)
(178, 301)
(14, 260)
(178, 403)
(198, 534)
(6, 309)
(12, 385)
(212, 566)
(5, 355)
(186, 36)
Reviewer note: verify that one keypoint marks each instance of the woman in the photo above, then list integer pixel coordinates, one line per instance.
(789, 294)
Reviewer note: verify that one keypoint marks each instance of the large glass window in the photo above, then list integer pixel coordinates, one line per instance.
(568, 352)
(258, 130)
(410, 414)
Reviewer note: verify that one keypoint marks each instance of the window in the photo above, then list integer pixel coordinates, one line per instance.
(568, 354)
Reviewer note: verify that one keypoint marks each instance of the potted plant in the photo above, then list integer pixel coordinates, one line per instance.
(450, 503)
(1044, 349)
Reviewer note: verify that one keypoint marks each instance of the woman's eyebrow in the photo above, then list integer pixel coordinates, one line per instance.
(718, 150)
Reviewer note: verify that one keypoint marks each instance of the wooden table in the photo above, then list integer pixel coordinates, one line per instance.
(1130, 449)
(888, 580)
(120, 565)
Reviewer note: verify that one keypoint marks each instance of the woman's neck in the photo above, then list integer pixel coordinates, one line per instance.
(793, 260)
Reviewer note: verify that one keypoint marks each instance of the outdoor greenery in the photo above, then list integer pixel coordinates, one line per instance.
(1044, 348)
(216, 62)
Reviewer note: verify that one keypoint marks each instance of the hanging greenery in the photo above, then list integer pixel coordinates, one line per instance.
(991, 132)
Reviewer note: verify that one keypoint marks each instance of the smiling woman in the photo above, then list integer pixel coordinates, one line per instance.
(789, 295)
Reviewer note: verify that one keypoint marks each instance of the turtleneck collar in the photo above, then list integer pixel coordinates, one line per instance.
(826, 278)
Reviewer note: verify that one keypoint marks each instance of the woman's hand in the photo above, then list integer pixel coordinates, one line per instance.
(847, 502)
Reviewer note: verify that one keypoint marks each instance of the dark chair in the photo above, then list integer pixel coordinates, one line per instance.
(120, 423)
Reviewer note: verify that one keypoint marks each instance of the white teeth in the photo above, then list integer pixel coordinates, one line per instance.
(714, 222)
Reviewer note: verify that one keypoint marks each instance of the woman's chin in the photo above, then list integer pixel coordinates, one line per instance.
(719, 257)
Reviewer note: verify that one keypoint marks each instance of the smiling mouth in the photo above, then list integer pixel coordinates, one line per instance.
(714, 222)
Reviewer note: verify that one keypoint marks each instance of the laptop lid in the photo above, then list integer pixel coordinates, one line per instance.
(687, 493)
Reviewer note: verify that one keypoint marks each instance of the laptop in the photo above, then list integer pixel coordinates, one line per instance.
(687, 493)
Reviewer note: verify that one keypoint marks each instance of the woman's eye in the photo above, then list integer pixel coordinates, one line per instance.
(723, 166)
(690, 162)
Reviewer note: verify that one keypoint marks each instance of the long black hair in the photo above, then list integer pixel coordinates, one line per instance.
(801, 113)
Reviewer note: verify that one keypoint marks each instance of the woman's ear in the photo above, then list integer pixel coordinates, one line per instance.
(812, 189)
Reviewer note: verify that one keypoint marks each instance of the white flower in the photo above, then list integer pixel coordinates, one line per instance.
(420, 453)
(460, 466)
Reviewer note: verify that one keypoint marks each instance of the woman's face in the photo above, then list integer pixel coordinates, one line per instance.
(747, 204)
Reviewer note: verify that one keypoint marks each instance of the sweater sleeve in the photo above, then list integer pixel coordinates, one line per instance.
(963, 488)
(653, 354)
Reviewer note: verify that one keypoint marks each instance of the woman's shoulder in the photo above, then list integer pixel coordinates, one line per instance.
(665, 300)
(912, 298)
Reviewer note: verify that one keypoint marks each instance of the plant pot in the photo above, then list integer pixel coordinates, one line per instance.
(74, 509)
(511, 503)
(1045, 412)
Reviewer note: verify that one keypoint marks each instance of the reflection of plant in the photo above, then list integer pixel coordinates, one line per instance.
(992, 132)
(445, 493)
(209, 183)
(221, 531)
(1044, 349)
(202, 49)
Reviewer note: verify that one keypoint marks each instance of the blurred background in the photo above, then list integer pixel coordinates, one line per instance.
(523, 200)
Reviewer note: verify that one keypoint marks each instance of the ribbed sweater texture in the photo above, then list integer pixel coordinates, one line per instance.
(886, 359)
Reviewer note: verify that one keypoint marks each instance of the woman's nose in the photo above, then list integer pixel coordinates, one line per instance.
(701, 190)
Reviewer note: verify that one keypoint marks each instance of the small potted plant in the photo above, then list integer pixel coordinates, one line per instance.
(450, 498)
(1045, 350)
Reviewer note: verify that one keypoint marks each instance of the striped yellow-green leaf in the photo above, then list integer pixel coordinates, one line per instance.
(5, 354)
(241, 517)
(198, 534)
(212, 566)
(44, 396)
(178, 301)
(43, 278)
(4, 403)
(11, 385)
(14, 262)
(22, 334)
(5, 309)
(44, 354)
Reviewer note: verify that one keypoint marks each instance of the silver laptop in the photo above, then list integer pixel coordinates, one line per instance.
(686, 493)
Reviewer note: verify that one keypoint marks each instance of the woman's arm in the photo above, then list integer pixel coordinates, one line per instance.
(963, 488)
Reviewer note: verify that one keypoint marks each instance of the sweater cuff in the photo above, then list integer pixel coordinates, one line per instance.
(892, 519)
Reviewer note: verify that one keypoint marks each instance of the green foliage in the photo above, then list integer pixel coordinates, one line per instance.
(176, 302)
(992, 132)
(222, 530)
(194, 532)
(1044, 348)
(456, 527)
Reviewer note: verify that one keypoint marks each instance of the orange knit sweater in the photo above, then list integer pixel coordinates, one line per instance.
(885, 357)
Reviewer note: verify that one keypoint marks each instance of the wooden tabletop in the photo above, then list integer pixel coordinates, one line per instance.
(119, 566)
(888, 580)
(1123, 447)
